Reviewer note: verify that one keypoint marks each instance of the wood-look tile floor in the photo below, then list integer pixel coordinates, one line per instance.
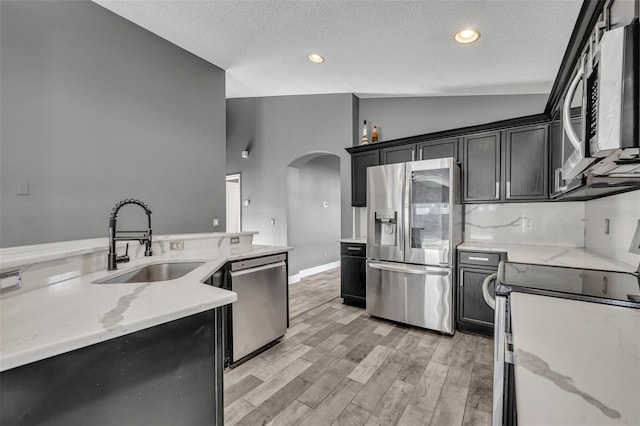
(338, 366)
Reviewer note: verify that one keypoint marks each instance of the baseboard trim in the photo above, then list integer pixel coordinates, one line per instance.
(312, 271)
(294, 279)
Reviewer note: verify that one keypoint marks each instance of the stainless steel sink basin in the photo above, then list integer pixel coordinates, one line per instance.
(153, 273)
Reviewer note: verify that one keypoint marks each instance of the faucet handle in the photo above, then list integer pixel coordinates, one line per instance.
(124, 258)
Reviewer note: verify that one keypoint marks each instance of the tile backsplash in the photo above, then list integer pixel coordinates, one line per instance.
(553, 224)
(623, 214)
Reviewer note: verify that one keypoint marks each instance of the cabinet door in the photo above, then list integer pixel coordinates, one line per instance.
(353, 277)
(443, 148)
(555, 155)
(481, 156)
(397, 154)
(471, 305)
(359, 164)
(526, 171)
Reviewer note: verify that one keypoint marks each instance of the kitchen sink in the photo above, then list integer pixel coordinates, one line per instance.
(153, 273)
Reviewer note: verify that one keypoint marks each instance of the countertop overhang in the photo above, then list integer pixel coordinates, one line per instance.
(75, 313)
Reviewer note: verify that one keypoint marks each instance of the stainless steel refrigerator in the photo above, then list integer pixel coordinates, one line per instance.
(414, 223)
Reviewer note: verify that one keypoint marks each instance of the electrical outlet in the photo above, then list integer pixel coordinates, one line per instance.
(527, 223)
(216, 222)
(235, 240)
(176, 245)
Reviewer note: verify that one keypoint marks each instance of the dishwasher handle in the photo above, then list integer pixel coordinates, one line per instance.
(258, 269)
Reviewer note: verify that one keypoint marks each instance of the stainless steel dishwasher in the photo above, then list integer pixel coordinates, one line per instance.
(260, 315)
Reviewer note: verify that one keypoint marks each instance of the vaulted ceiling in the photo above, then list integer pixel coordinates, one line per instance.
(371, 48)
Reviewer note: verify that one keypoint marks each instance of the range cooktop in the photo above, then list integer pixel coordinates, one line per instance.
(590, 285)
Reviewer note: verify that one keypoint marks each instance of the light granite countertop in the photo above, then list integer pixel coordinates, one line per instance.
(76, 313)
(574, 257)
(576, 363)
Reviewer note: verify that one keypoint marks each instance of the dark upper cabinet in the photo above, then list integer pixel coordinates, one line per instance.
(359, 164)
(481, 166)
(555, 155)
(442, 148)
(398, 154)
(526, 163)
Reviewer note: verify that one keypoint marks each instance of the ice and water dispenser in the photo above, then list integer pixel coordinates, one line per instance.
(386, 221)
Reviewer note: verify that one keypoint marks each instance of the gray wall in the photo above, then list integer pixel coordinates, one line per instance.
(96, 109)
(402, 117)
(277, 131)
(313, 229)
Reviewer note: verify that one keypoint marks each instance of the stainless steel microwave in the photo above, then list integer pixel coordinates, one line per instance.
(610, 117)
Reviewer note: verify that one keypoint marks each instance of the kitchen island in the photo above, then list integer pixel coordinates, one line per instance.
(576, 363)
(77, 352)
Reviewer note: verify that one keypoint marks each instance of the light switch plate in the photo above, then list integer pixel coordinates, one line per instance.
(176, 245)
(235, 240)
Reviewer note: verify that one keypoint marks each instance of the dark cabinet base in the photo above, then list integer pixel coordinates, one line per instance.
(353, 275)
(359, 302)
(170, 374)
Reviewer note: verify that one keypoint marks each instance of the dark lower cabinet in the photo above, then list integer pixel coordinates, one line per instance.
(353, 276)
(359, 164)
(473, 312)
(170, 374)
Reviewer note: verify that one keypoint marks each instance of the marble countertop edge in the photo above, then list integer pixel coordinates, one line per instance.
(80, 312)
(573, 257)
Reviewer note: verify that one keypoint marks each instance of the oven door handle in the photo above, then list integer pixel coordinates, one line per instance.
(485, 290)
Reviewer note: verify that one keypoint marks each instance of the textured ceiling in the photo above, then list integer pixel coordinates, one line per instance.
(372, 48)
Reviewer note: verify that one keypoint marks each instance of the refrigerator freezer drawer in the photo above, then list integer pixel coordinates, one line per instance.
(411, 294)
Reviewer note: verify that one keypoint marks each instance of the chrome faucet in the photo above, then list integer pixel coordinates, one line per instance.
(112, 258)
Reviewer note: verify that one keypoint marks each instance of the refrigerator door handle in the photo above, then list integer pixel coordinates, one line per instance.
(410, 269)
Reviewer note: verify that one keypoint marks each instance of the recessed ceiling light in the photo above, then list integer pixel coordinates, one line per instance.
(467, 36)
(314, 57)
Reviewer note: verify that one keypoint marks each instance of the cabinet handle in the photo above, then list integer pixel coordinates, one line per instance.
(413, 154)
(497, 191)
(508, 189)
(484, 259)
(461, 278)
(353, 248)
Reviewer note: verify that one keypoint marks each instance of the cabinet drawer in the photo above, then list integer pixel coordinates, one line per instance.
(480, 258)
(353, 249)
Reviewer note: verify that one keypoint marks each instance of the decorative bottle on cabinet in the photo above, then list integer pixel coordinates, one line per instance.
(365, 136)
(374, 134)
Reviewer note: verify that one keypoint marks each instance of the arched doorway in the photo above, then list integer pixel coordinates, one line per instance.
(313, 213)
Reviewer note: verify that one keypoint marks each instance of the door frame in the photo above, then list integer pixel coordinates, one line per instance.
(230, 178)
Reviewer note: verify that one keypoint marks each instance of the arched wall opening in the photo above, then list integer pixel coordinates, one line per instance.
(313, 213)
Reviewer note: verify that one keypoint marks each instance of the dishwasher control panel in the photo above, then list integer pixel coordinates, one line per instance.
(257, 261)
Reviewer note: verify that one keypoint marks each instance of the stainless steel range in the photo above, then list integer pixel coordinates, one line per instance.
(414, 223)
